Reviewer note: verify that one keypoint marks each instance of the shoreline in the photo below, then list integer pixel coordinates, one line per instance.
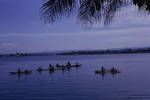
(83, 52)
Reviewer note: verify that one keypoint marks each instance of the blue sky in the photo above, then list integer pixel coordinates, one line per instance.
(21, 30)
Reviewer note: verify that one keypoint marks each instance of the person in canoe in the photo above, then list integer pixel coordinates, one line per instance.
(51, 68)
(114, 70)
(103, 70)
(19, 71)
(68, 64)
(57, 65)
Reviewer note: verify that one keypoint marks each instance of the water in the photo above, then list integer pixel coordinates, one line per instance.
(133, 83)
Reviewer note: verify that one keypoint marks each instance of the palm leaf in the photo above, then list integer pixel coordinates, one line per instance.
(142, 4)
(111, 8)
(90, 11)
(52, 10)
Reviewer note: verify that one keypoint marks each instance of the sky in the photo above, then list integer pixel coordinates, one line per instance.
(22, 30)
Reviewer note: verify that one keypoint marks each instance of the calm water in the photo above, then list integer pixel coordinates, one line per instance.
(77, 84)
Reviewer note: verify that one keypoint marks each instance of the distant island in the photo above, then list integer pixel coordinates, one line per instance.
(108, 51)
(18, 54)
(84, 52)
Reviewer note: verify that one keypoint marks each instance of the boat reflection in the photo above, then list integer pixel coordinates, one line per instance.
(113, 71)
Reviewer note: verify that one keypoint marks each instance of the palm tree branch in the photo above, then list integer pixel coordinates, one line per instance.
(52, 10)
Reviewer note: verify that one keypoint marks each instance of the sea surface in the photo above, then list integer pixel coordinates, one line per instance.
(133, 83)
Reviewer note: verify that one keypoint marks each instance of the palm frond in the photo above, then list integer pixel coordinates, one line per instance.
(111, 8)
(142, 4)
(90, 11)
(52, 10)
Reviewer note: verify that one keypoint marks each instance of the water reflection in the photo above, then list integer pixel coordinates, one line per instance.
(51, 72)
(103, 74)
(19, 75)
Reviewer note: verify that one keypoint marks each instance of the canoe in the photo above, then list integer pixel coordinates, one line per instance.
(106, 71)
(78, 65)
(42, 69)
(26, 72)
(61, 66)
(100, 72)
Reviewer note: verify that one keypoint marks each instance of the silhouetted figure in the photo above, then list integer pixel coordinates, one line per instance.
(50, 65)
(114, 71)
(103, 69)
(51, 68)
(19, 71)
(57, 65)
(68, 64)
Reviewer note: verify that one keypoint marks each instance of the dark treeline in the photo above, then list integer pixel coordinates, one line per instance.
(108, 51)
(84, 52)
(26, 54)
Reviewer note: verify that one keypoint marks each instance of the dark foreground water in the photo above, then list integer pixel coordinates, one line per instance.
(77, 84)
